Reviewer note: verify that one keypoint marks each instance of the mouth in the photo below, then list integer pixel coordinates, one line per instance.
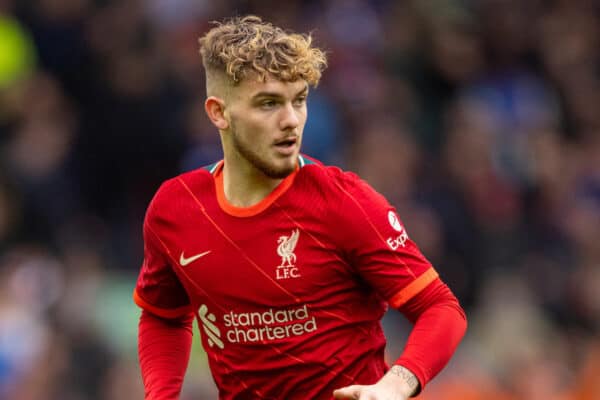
(286, 146)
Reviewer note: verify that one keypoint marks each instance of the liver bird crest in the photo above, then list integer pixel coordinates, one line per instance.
(286, 247)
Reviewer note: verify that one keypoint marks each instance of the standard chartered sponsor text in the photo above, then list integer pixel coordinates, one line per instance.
(268, 325)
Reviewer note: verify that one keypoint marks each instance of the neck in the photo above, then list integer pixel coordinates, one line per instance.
(245, 186)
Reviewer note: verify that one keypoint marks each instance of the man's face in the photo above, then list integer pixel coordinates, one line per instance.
(266, 120)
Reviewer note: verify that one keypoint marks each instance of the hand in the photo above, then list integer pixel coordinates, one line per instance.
(398, 384)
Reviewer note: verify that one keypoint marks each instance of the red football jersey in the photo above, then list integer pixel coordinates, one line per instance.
(288, 293)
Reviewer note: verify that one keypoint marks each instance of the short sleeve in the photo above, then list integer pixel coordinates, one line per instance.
(158, 289)
(378, 245)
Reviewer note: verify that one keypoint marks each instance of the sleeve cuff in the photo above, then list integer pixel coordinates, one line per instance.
(413, 288)
(161, 312)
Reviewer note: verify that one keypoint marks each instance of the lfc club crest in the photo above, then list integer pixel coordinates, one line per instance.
(285, 248)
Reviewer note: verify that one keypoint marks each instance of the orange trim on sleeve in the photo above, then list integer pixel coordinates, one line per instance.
(413, 288)
(256, 208)
(161, 312)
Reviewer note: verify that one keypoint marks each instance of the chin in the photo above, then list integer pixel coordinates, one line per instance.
(280, 170)
(279, 173)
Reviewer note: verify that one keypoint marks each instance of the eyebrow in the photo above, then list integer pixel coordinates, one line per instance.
(277, 94)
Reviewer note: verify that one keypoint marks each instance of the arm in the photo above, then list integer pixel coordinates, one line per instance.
(397, 384)
(164, 349)
(439, 324)
(380, 249)
(165, 326)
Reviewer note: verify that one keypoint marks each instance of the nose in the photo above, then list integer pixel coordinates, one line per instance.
(290, 118)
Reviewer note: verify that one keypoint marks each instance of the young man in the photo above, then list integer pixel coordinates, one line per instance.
(288, 265)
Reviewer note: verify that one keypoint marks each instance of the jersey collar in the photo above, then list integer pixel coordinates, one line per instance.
(217, 171)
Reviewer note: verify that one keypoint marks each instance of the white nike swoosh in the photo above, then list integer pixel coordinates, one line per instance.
(185, 261)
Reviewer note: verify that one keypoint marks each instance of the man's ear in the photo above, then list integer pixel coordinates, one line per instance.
(215, 109)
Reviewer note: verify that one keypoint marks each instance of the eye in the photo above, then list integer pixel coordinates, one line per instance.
(267, 104)
(300, 101)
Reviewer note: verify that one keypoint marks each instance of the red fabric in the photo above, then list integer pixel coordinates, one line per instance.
(440, 324)
(164, 350)
(289, 300)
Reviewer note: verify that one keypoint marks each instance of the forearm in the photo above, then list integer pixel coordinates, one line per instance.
(164, 350)
(403, 380)
(440, 324)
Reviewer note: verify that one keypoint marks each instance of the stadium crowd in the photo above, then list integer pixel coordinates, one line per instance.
(479, 120)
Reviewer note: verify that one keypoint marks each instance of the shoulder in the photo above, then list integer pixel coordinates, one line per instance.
(172, 192)
(326, 174)
(175, 186)
(343, 194)
(333, 179)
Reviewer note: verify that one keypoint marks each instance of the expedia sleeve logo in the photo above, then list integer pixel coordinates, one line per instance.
(400, 240)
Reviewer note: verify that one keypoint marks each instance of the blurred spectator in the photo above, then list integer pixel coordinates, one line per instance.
(17, 49)
(36, 157)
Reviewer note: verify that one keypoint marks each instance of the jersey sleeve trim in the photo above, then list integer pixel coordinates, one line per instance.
(211, 168)
(303, 161)
(413, 288)
(161, 312)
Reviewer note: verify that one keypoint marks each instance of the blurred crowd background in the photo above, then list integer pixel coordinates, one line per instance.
(479, 120)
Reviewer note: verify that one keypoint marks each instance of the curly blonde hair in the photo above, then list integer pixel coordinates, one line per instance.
(247, 45)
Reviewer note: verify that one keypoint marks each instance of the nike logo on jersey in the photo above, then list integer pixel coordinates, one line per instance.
(185, 261)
